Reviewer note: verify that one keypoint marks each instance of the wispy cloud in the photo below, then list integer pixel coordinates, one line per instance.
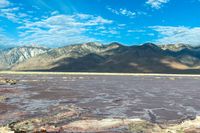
(54, 13)
(5, 41)
(4, 3)
(135, 31)
(180, 34)
(12, 12)
(157, 4)
(53, 30)
(61, 29)
(123, 12)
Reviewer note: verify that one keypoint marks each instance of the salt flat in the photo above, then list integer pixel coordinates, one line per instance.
(158, 98)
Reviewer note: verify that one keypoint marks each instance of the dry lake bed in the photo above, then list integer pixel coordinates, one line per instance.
(155, 98)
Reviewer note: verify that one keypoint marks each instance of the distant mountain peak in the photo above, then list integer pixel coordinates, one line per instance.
(175, 47)
(150, 45)
(115, 43)
(97, 44)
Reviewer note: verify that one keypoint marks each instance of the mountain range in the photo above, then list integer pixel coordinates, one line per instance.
(97, 57)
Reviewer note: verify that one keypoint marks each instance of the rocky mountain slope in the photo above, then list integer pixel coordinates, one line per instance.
(96, 57)
(13, 56)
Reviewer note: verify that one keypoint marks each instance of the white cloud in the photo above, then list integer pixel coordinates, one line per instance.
(5, 41)
(54, 13)
(69, 21)
(121, 25)
(58, 30)
(123, 12)
(12, 13)
(179, 34)
(4, 3)
(54, 29)
(157, 4)
(98, 20)
(135, 31)
(108, 32)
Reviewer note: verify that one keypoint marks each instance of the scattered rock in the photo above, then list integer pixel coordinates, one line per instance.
(3, 98)
(8, 81)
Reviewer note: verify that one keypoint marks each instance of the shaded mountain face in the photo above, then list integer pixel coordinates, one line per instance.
(96, 57)
(186, 54)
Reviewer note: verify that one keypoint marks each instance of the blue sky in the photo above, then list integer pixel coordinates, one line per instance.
(56, 23)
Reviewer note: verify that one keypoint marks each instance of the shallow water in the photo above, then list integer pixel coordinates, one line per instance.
(159, 99)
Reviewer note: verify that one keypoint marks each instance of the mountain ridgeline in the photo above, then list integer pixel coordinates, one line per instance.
(96, 57)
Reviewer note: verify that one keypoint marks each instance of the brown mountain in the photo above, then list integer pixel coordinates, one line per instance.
(96, 57)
